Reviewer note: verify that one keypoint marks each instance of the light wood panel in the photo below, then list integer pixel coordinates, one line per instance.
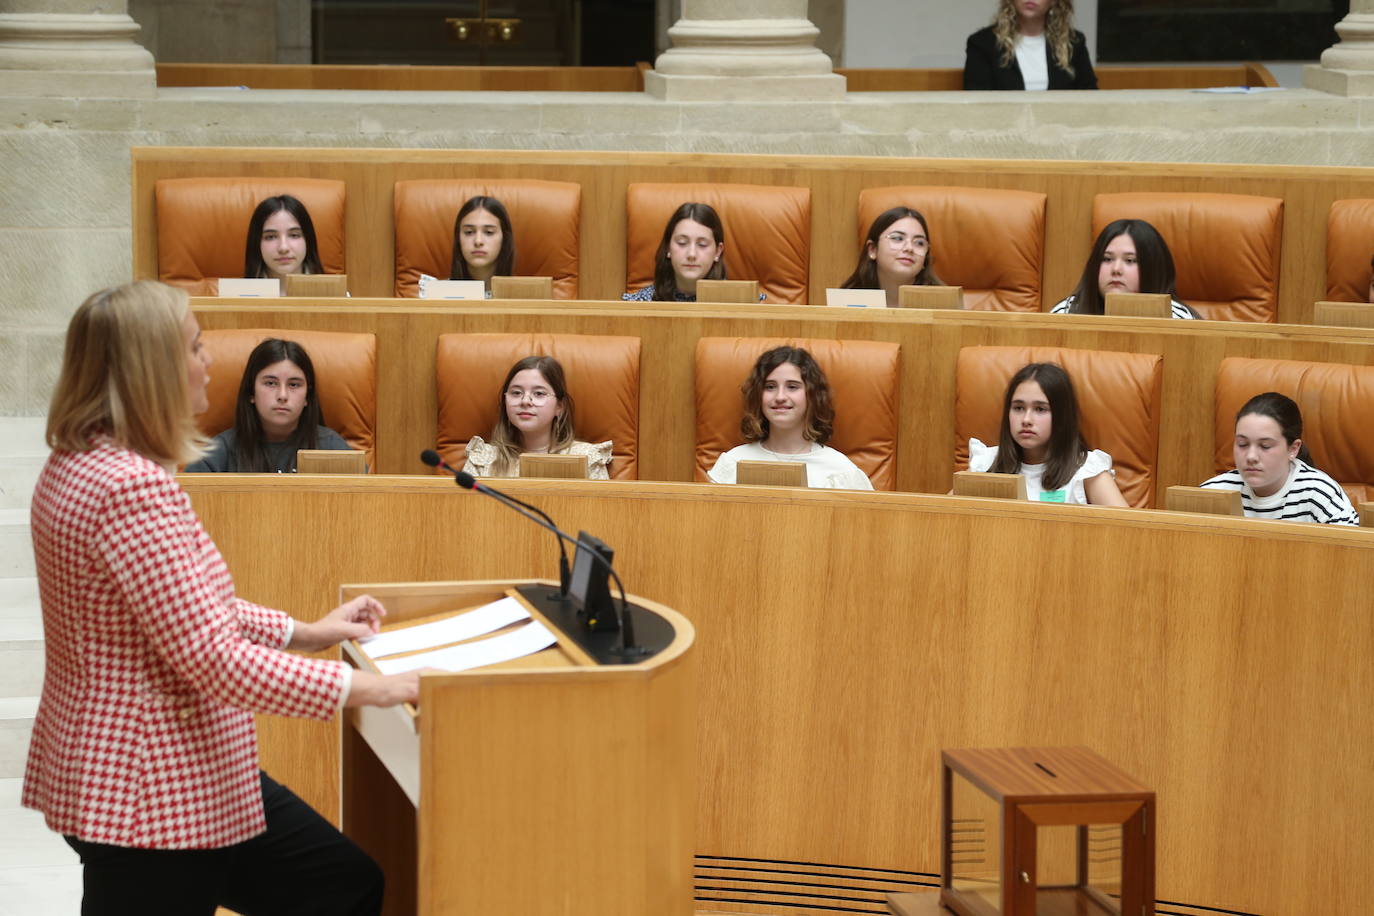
(835, 183)
(1223, 662)
(930, 340)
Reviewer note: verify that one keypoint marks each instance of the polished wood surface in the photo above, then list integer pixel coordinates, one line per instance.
(951, 79)
(989, 486)
(834, 183)
(404, 79)
(844, 638)
(1138, 305)
(407, 333)
(1204, 500)
(930, 297)
(1344, 314)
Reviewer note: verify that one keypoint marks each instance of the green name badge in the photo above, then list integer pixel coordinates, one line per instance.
(1053, 496)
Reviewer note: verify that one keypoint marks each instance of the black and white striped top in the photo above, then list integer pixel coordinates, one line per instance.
(1308, 496)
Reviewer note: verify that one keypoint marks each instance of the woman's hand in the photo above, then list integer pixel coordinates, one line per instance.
(370, 689)
(357, 618)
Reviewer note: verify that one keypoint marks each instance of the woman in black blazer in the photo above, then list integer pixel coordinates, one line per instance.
(990, 60)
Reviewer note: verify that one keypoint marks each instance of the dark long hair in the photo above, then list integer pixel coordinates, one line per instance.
(1067, 449)
(820, 412)
(507, 438)
(1153, 260)
(665, 279)
(253, 267)
(1284, 411)
(865, 275)
(252, 456)
(505, 258)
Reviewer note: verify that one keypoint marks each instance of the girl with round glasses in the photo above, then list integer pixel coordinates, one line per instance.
(534, 415)
(895, 254)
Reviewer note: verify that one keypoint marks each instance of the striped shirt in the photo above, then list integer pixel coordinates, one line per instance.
(1176, 309)
(1307, 496)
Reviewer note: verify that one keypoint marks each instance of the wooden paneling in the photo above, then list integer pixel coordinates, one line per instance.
(404, 79)
(843, 639)
(835, 183)
(407, 333)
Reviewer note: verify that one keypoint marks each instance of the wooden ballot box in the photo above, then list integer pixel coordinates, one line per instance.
(558, 783)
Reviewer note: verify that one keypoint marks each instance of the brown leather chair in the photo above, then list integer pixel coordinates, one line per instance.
(1118, 402)
(202, 225)
(1225, 247)
(988, 240)
(602, 375)
(864, 378)
(1349, 249)
(545, 217)
(345, 377)
(1335, 400)
(767, 233)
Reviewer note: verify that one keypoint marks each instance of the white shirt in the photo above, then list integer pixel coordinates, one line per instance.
(1030, 57)
(825, 467)
(981, 457)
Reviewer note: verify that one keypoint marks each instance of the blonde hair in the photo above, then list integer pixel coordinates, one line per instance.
(124, 374)
(1058, 32)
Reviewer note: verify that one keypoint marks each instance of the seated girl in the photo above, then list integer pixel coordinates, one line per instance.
(1040, 441)
(1129, 256)
(788, 417)
(277, 413)
(1274, 471)
(281, 240)
(535, 415)
(692, 249)
(483, 243)
(896, 254)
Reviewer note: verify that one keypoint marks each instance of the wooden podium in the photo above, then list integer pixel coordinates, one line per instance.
(550, 784)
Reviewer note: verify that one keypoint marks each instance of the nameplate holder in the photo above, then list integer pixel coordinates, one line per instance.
(455, 289)
(563, 467)
(1203, 500)
(330, 461)
(317, 286)
(771, 473)
(1366, 511)
(930, 297)
(1139, 305)
(1344, 314)
(856, 298)
(989, 486)
(728, 292)
(242, 288)
(522, 287)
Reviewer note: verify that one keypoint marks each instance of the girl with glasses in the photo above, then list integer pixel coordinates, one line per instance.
(535, 414)
(895, 254)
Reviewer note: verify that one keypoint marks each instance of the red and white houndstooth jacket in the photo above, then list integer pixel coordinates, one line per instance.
(144, 735)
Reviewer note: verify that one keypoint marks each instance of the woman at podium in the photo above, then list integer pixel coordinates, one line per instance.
(144, 755)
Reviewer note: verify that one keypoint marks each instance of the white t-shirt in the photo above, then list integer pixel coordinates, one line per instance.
(1308, 495)
(825, 467)
(981, 457)
(1030, 57)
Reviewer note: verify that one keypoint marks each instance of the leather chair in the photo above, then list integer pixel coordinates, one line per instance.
(545, 218)
(1335, 401)
(864, 377)
(1225, 247)
(202, 225)
(345, 378)
(767, 233)
(988, 240)
(1118, 404)
(1349, 248)
(602, 375)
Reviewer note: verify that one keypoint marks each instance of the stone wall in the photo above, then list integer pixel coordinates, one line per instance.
(65, 201)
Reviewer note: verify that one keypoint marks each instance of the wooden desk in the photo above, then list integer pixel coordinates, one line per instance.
(844, 638)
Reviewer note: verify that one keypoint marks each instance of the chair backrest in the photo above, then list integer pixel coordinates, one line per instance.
(545, 218)
(1225, 247)
(767, 232)
(1349, 249)
(202, 225)
(1118, 405)
(864, 377)
(988, 240)
(345, 379)
(1335, 400)
(603, 381)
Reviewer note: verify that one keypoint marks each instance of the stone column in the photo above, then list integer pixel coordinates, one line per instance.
(743, 50)
(1347, 67)
(81, 48)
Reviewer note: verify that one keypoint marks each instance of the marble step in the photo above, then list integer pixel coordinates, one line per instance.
(16, 546)
(16, 728)
(21, 648)
(22, 453)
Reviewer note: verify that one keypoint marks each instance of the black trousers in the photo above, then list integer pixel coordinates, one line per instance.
(300, 865)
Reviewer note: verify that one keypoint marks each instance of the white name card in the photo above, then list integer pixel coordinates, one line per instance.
(241, 288)
(455, 289)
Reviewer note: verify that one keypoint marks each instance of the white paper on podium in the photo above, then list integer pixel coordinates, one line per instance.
(485, 619)
(527, 640)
